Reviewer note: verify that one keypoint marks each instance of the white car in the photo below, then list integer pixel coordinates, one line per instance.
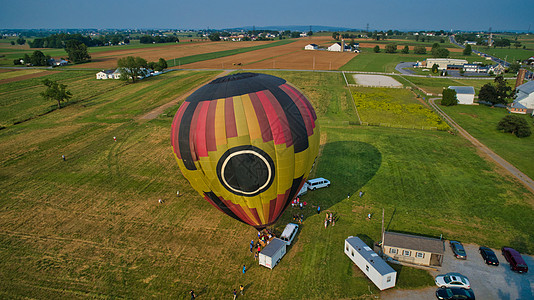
(317, 183)
(453, 280)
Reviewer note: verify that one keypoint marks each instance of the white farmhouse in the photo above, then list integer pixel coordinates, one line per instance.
(311, 47)
(464, 94)
(339, 47)
(372, 265)
(524, 100)
(105, 74)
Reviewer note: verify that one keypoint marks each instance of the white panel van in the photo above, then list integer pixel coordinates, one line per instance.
(289, 233)
(317, 183)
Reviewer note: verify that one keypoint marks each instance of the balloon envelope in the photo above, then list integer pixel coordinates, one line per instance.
(246, 143)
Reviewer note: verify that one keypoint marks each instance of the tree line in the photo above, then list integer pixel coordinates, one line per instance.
(148, 39)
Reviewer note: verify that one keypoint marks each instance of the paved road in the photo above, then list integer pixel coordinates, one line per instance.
(527, 182)
(400, 68)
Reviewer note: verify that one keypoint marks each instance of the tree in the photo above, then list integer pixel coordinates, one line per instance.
(21, 41)
(335, 36)
(406, 49)
(503, 90)
(419, 49)
(55, 91)
(376, 49)
(77, 51)
(467, 50)
(39, 59)
(488, 93)
(162, 64)
(442, 53)
(131, 67)
(310, 33)
(391, 48)
(214, 37)
(514, 67)
(435, 68)
(449, 97)
(516, 125)
(435, 48)
(12, 43)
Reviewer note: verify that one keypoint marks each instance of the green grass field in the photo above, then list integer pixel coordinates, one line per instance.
(91, 226)
(436, 85)
(481, 122)
(510, 55)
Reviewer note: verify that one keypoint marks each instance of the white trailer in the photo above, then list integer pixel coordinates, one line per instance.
(372, 265)
(271, 254)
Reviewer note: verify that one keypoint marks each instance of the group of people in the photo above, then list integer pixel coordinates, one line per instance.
(329, 219)
(298, 218)
(296, 203)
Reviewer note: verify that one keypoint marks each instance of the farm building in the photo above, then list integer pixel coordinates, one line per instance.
(311, 47)
(372, 265)
(413, 249)
(57, 62)
(524, 100)
(443, 63)
(464, 94)
(105, 74)
(339, 47)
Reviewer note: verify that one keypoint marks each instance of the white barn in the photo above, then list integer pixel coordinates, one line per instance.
(339, 47)
(105, 74)
(524, 100)
(311, 47)
(372, 265)
(464, 94)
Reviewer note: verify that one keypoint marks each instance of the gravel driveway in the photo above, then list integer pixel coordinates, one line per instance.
(488, 282)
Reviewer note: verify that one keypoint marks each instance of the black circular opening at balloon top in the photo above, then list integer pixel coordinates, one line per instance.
(246, 170)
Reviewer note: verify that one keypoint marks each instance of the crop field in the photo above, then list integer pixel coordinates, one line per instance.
(481, 122)
(91, 226)
(396, 108)
(289, 56)
(436, 85)
(508, 54)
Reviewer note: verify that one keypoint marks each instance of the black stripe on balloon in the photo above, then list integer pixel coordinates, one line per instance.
(184, 136)
(222, 206)
(299, 134)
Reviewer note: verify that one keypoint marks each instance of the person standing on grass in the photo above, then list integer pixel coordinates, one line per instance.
(348, 195)
(244, 269)
(251, 245)
(361, 194)
(193, 296)
(255, 255)
(63, 156)
(241, 289)
(318, 209)
(235, 294)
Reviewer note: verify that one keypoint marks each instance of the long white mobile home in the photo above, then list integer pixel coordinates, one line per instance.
(372, 265)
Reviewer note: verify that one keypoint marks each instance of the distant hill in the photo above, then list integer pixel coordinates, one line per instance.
(301, 28)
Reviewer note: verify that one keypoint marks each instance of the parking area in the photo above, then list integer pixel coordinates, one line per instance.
(376, 80)
(488, 282)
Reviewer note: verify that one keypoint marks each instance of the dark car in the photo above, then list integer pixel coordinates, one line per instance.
(489, 256)
(454, 293)
(517, 263)
(458, 250)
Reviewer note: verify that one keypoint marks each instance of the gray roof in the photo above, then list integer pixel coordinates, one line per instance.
(368, 254)
(463, 89)
(413, 242)
(527, 87)
(273, 247)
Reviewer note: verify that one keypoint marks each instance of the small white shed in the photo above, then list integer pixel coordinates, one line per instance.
(372, 265)
(464, 94)
(311, 47)
(271, 254)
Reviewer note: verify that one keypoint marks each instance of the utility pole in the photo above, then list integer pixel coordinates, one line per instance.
(383, 232)
(367, 28)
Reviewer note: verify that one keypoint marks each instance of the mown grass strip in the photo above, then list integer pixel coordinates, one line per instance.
(213, 55)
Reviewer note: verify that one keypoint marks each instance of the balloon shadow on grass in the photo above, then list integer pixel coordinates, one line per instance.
(349, 166)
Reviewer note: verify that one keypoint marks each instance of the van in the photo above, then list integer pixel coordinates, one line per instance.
(289, 233)
(317, 183)
(517, 263)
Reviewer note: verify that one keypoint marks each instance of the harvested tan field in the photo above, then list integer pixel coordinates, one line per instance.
(26, 76)
(400, 46)
(108, 59)
(290, 56)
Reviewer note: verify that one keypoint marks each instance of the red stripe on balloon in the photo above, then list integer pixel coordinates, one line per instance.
(201, 147)
(238, 211)
(256, 216)
(304, 100)
(304, 111)
(272, 207)
(176, 128)
(229, 118)
(275, 121)
(211, 143)
(265, 129)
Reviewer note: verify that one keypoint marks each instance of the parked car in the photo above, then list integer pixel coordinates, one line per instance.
(458, 250)
(517, 263)
(489, 256)
(317, 183)
(453, 280)
(454, 293)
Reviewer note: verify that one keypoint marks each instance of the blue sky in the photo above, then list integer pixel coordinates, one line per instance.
(201, 14)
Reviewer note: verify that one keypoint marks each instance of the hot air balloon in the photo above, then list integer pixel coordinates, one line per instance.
(246, 142)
